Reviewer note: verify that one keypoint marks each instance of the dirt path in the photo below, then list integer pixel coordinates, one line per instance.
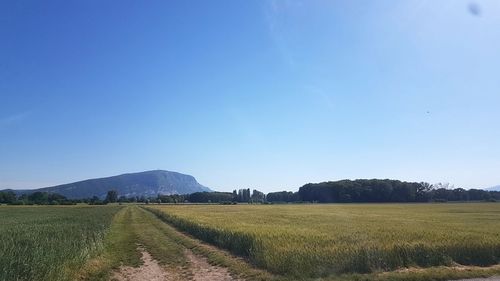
(149, 270)
(199, 270)
(203, 271)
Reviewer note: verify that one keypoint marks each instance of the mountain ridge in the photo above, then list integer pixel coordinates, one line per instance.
(147, 183)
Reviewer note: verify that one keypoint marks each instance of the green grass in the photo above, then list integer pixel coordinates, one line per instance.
(120, 248)
(331, 240)
(151, 234)
(50, 243)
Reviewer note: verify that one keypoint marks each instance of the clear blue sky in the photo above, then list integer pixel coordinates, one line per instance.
(260, 94)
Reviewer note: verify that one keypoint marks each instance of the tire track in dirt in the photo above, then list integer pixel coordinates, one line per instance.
(149, 270)
(198, 270)
(203, 271)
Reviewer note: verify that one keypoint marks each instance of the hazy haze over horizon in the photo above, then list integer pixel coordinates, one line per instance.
(250, 94)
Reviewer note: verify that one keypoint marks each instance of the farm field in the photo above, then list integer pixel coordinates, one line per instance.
(330, 240)
(263, 242)
(50, 243)
(102, 243)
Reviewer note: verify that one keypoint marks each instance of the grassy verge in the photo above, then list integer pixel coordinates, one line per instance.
(120, 249)
(152, 236)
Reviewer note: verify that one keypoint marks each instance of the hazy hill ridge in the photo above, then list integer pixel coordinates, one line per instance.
(149, 183)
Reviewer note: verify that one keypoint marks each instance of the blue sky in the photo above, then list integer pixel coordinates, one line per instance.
(259, 94)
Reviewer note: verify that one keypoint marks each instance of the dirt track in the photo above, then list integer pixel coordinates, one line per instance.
(199, 270)
(149, 270)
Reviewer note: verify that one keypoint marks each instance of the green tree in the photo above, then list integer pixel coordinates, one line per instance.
(7, 197)
(258, 196)
(112, 196)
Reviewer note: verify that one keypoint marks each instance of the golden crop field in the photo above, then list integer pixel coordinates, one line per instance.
(324, 240)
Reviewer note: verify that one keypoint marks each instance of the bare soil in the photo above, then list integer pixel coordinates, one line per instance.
(149, 270)
(199, 270)
(203, 271)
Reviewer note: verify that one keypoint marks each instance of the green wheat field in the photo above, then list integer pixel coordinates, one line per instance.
(49, 243)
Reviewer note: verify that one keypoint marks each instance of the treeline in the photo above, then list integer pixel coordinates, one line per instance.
(244, 195)
(237, 196)
(344, 191)
(283, 196)
(197, 197)
(375, 190)
(45, 198)
(36, 198)
(49, 198)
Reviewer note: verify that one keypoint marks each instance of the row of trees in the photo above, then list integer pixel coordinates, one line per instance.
(49, 198)
(283, 196)
(364, 191)
(244, 195)
(343, 191)
(197, 197)
(388, 191)
(38, 198)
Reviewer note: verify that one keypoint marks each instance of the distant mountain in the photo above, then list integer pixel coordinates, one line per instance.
(493, 188)
(149, 183)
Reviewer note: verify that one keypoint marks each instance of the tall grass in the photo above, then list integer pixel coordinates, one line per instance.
(50, 243)
(321, 240)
